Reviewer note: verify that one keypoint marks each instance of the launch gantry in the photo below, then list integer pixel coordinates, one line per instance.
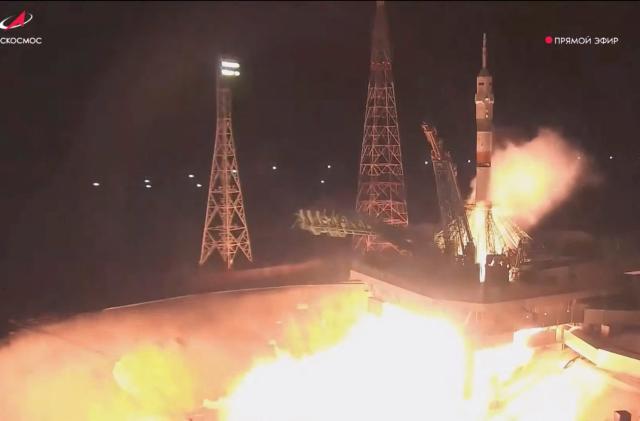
(456, 238)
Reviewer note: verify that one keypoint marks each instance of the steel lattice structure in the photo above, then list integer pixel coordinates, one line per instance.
(455, 238)
(225, 227)
(381, 191)
(336, 225)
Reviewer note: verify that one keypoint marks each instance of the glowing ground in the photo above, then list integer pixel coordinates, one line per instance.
(303, 353)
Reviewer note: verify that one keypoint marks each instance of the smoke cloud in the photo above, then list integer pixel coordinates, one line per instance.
(531, 178)
(158, 361)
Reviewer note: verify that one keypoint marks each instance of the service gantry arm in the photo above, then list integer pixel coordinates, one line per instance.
(456, 234)
(335, 225)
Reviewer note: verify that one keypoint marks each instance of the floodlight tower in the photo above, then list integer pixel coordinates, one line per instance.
(381, 192)
(225, 226)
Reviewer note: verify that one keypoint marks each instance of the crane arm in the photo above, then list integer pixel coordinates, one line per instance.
(335, 225)
(432, 137)
(456, 237)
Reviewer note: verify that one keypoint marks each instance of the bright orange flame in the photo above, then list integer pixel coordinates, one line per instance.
(492, 232)
(345, 364)
(398, 365)
(477, 225)
(157, 380)
(382, 370)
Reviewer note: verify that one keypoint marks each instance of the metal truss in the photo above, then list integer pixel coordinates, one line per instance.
(381, 191)
(225, 227)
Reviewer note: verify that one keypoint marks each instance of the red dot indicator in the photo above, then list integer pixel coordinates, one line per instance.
(548, 40)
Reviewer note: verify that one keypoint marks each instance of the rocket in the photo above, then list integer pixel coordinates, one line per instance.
(484, 128)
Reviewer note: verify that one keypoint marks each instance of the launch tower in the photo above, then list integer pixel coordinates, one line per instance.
(381, 192)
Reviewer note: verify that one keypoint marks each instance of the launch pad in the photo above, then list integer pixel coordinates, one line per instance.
(289, 337)
(556, 295)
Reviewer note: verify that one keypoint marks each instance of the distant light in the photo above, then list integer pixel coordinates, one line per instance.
(230, 64)
(227, 72)
(229, 67)
(234, 171)
(426, 162)
(329, 166)
(610, 156)
(146, 180)
(95, 184)
(322, 181)
(191, 175)
(468, 161)
(579, 157)
(274, 168)
(148, 186)
(198, 185)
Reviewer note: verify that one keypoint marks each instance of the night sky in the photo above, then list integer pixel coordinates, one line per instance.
(120, 93)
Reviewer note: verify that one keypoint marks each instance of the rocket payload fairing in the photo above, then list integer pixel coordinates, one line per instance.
(484, 128)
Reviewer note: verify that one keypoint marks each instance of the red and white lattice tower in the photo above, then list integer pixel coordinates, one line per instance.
(381, 192)
(225, 226)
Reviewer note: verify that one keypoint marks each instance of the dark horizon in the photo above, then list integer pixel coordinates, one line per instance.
(120, 92)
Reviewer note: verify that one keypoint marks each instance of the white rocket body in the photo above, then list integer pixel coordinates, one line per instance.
(484, 129)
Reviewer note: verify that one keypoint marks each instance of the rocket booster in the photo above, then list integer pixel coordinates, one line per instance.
(484, 128)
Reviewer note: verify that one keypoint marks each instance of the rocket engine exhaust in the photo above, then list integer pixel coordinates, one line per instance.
(532, 178)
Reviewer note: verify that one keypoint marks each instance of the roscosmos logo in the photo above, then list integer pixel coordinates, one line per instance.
(13, 22)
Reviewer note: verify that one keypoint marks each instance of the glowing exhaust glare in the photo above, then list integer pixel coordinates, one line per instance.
(158, 380)
(336, 383)
(340, 363)
(483, 273)
(416, 377)
(478, 224)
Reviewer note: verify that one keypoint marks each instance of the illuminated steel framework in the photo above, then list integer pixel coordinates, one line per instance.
(333, 225)
(225, 227)
(336, 225)
(455, 238)
(381, 191)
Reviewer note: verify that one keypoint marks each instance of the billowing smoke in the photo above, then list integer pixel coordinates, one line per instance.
(159, 361)
(302, 353)
(531, 178)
